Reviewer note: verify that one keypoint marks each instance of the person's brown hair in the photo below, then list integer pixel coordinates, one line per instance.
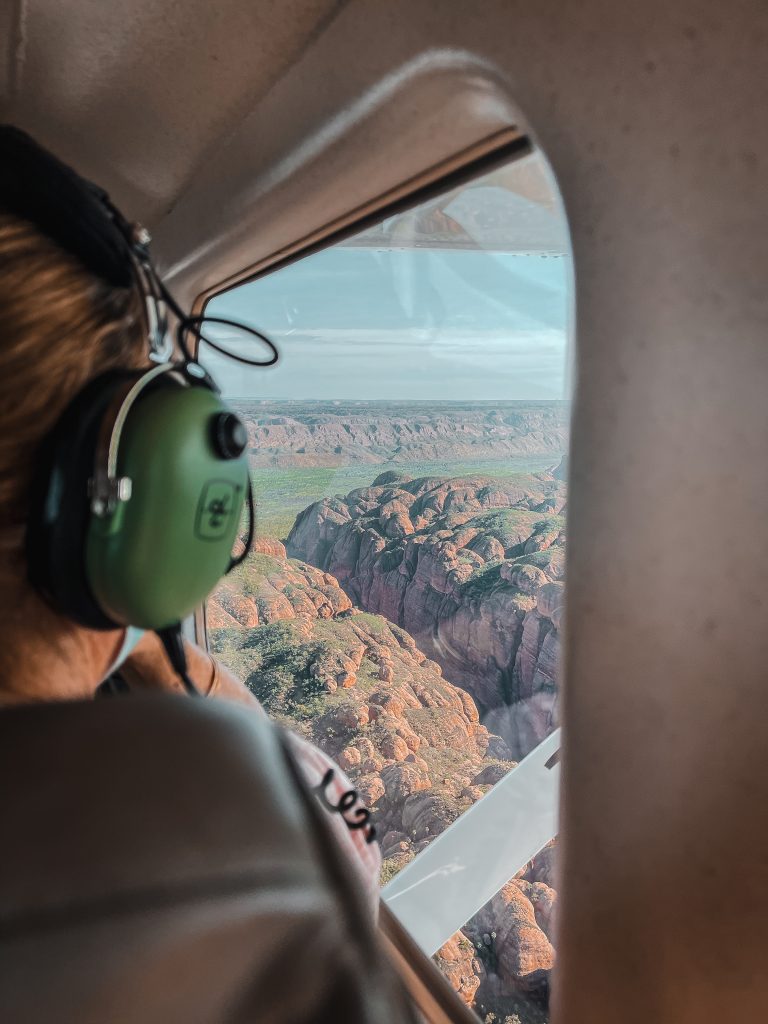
(59, 327)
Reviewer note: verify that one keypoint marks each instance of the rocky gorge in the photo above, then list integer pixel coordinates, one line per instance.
(360, 686)
(472, 568)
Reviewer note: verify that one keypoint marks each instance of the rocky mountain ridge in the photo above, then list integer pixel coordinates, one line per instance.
(359, 687)
(472, 568)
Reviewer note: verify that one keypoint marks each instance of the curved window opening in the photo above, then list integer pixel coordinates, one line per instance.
(402, 607)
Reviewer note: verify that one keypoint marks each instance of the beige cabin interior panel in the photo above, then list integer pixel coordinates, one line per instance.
(236, 127)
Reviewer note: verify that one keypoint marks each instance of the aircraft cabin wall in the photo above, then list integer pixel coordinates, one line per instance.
(652, 119)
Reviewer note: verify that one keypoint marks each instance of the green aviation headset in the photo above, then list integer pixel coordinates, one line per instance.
(141, 485)
(139, 496)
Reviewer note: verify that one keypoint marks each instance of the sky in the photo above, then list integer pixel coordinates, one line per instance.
(395, 317)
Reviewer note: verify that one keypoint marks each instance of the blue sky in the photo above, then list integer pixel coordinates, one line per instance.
(431, 324)
(467, 296)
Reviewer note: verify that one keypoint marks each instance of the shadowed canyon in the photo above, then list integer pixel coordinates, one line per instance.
(411, 628)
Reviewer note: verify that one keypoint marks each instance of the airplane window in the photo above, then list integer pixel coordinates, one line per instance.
(402, 606)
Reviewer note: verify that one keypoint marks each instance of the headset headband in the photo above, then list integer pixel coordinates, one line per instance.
(71, 211)
(106, 488)
(81, 219)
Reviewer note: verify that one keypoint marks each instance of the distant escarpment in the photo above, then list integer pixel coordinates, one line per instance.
(350, 433)
(472, 568)
(361, 689)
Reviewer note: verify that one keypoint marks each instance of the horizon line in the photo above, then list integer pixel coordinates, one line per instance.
(413, 401)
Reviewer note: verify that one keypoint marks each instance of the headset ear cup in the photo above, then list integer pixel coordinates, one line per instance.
(60, 513)
(157, 555)
(151, 559)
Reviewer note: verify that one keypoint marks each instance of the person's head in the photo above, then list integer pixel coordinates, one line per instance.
(103, 526)
(61, 327)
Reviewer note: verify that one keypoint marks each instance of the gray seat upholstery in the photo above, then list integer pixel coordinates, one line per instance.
(159, 864)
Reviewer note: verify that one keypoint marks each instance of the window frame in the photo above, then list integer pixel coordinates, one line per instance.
(497, 150)
(544, 759)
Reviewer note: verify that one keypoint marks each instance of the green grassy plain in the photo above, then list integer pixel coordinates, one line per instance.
(282, 493)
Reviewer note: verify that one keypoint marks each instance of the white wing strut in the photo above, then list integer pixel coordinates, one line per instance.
(456, 875)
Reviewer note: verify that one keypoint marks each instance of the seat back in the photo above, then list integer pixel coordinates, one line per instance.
(159, 863)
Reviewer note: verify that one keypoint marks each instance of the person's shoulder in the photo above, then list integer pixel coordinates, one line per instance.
(348, 816)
